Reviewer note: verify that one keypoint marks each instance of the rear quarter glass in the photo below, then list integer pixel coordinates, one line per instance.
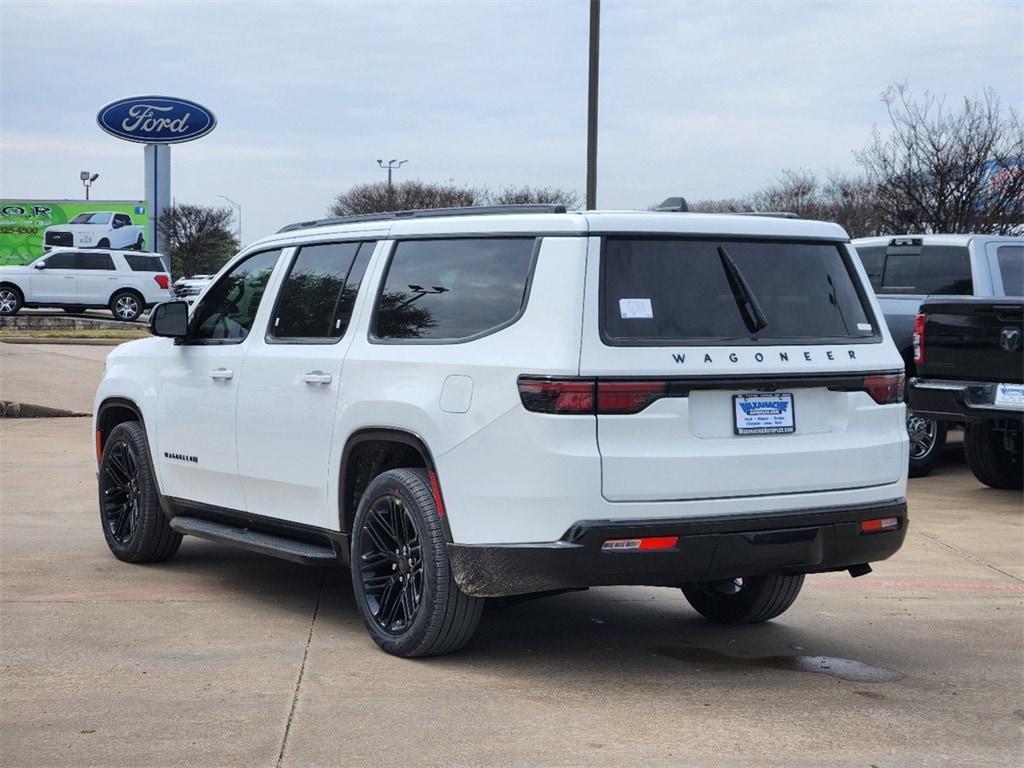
(669, 292)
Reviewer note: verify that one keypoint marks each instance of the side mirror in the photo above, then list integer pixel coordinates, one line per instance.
(40, 265)
(169, 319)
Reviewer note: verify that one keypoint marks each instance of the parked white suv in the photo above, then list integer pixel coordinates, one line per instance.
(96, 229)
(475, 403)
(76, 279)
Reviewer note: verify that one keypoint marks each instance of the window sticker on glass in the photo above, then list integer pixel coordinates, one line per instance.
(635, 309)
(864, 327)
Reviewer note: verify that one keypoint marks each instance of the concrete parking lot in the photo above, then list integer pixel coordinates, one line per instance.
(220, 657)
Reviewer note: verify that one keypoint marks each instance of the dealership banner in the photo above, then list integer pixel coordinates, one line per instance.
(29, 228)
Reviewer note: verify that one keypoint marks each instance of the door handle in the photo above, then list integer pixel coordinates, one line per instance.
(221, 373)
(69, 277)
(317, 377)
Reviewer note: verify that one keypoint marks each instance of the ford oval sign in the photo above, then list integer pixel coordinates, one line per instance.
(156, 120)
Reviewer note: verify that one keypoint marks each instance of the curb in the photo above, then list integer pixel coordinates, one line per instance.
(12, 410)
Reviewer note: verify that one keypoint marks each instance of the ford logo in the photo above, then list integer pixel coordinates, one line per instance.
(156, 120)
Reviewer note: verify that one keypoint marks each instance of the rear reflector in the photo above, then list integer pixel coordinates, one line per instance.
(435, 491)
(99, 445)
(638, 545)
(885, 388)
(879, 525)
(162, 280)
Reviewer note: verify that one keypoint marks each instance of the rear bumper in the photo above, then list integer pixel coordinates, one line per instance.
(968, 401)
(708, 549)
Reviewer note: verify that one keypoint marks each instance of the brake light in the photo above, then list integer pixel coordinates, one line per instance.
(885, 388)
(879, 525)
(557, 395)
(919, 340)
(628, 396)
(640, 545)
(163, 281)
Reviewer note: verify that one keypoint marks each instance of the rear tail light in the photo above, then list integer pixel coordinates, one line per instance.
(164, 281)
(919, 340)
(589, 396)
(885, 388)
(879, 525)
(645, 544)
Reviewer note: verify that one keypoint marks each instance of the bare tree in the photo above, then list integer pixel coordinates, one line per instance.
(404, 196)
(199, 237)
(525, 194)
(947, 170)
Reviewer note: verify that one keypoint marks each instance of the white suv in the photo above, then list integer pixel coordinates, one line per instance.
(476, 403)
(76, 279)
(96, 229)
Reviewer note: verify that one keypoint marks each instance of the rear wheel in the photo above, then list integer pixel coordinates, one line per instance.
(994, 456)
(126, 305)
(401, 576)
(927, 442)
(744, 601)
(134, 526)
(104, 243)
(10, 300)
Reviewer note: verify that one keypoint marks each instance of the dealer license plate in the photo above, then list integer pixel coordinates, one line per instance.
(769, 413)
(1010, 394)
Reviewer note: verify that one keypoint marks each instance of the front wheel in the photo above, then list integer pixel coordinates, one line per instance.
(927, 442)
(994, 456)
(126, 305)
(744, 601)
(10, 300)
(401, 576)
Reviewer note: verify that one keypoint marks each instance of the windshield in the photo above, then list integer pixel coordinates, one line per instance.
(739, 291)
(91, 218)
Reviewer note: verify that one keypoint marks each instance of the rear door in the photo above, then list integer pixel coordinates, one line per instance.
(735, 367)
(98, 277)
(290, 382)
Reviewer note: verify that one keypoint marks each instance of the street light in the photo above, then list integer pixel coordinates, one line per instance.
(87, 180)
(391, 166)
(239, 207)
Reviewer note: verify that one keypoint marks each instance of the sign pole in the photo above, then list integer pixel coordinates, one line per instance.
(158, 192)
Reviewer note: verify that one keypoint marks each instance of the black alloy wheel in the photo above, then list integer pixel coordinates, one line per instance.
(391, 565)
(120, 491)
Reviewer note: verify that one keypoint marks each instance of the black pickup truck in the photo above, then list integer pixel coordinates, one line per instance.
(970, 370)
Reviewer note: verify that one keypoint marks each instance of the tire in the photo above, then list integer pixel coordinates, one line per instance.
(140, 243)
(927, 443)
(428, 615)
(136, 529)
(104, 243)
(127, 305)
(11, 300)
(992, 461)
(744, 601)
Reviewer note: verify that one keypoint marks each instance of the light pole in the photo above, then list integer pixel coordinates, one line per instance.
(87, 180)
(595, 39)
(391, 166)
(239, 207)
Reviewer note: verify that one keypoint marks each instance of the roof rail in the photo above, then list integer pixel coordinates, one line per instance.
(771, 214)
(429, 213)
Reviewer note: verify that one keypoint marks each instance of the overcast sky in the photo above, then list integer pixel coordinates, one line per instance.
(700, 99)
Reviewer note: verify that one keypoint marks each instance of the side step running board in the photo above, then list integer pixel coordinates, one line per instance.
(254, 541)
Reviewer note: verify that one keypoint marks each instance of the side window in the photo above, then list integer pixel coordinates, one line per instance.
(230, 306)
(61, 260)
(453, 289)
(1011, 267)
(317, 297)
(873, 260)
(97, 260)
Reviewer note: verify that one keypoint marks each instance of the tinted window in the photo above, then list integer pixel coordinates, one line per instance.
(311, 304)
(1011, 267)
(931, 269)
(144, 263)
(95, 261)
(873, 259)
(61, 260)
(453, 289)
(678, 290)
(229, 307)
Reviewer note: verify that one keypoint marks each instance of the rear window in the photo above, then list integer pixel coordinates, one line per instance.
(670, 291)
(937, 270)
(144, 263)
(873, 259)
(1011, 268)
(453, 290)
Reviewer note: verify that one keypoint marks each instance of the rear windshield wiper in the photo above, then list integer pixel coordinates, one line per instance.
(751, 312)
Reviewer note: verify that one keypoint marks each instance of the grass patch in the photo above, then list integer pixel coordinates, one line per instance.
(83, 333)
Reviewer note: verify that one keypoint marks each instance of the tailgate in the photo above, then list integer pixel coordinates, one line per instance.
(973, 338)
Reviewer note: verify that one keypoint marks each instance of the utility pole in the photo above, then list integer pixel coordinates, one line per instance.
(595, 39)
(391, 166)
(239, 220)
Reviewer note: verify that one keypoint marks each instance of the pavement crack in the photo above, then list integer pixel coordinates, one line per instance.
(969, 556)
(302, 669)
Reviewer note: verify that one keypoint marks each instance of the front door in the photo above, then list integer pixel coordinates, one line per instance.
(287, 399)
(197, 448)
(57, 281)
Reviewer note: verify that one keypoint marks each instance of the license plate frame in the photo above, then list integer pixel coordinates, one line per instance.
(763, 413)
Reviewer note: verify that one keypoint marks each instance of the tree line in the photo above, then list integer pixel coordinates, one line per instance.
(937, 168)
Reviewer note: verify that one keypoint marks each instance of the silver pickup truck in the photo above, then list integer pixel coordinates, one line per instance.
(907, 270)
